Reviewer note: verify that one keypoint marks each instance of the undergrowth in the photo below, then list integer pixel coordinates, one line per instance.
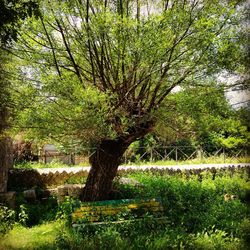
(198, 216)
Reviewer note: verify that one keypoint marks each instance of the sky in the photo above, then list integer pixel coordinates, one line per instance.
(239, 98)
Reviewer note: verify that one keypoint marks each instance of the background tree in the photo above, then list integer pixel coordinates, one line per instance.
(100, 70)
(203, 116)
(192, 118)
(12, 14)
(5, 143)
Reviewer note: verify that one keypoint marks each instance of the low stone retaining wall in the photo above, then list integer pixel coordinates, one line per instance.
(22, 179)
(32, 195)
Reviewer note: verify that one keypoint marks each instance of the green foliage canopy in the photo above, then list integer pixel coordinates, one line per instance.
(95, 69)
(202, 116)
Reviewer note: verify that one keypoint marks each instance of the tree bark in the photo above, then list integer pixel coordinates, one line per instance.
(5, 162)
(104, 165)
(105, 161)
(5, 142)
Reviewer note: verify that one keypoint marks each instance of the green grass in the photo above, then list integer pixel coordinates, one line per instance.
(30, 165)
(56, 235)
(198, 217)
(37, 237)
(207, 160)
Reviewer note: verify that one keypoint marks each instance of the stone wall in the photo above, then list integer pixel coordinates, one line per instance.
(21, 179)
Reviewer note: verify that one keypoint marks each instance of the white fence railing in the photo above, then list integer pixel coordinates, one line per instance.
(153, 154)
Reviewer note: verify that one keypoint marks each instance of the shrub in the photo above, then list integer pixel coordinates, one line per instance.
(215, 239)
(194, 204)
(7, 219)
(67, 207)
(37, 212)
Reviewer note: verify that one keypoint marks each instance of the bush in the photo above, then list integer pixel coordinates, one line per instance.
(37, 212)
(66, 208)
(194, 204)
(7, 219)
(215, 239)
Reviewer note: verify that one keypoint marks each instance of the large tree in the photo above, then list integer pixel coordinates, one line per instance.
(100, 70)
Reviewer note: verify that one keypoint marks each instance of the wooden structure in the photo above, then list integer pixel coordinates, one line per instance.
(50, 153)
(101, 212)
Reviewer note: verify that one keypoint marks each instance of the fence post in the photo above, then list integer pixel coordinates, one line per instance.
(151, 154)
(72, 158)
(224, 156)
(199, 153)
(176, 154)
(45, 157)
(125, 157)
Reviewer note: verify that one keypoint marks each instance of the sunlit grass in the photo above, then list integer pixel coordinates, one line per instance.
(37, 237)
(198, 217)
(205, 160)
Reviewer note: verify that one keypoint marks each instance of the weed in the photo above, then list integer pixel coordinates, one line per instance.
(7, 219)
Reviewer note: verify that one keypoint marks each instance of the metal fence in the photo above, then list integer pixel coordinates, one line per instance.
(50, 156)
(183, 153)
(154, 154)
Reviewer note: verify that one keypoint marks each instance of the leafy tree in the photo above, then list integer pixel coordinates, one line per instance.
(100, 70)
(203, 116)
(12, 13)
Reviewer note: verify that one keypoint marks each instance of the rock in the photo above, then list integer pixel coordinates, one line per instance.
(129, 181)
(62, 191)
(8, 198)
(75, 190)
(29, 195)
(228, 197)
(72, 190)
(53, 191)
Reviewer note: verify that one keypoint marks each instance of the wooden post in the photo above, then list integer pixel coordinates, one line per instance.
(45, 157)
(151, 155)
(224, 156)
(176, 154)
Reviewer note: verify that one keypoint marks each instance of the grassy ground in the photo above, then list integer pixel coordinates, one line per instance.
(207, 160)
(37, 237)
(198, 217)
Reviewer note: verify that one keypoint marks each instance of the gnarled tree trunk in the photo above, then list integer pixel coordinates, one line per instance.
(105, 161)
(104, 165)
